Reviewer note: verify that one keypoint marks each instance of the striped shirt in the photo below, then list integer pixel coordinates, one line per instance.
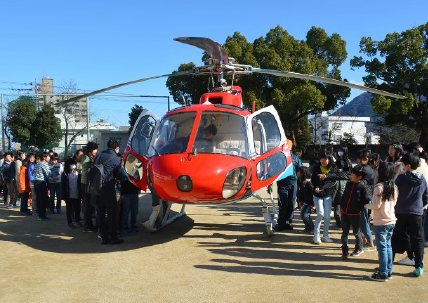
(41, 171)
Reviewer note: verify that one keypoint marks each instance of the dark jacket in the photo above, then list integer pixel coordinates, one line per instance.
(112, 168)
(354, 198)
(112, 173)
(129, 189)
(412, 193)
(327, 187)
(369, 178)
(65, 186)
(305, 192)
(7, 172)
(342, 170)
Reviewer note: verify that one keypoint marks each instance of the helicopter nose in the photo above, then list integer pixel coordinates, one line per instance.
(184, 183)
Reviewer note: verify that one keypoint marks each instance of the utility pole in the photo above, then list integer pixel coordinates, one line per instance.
(2, 126)
(87, 120)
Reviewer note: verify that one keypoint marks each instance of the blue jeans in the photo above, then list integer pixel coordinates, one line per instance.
(305, 214)
(383, 234)
(130, 205)
(365, 225)
(323, 206)
(55, 189)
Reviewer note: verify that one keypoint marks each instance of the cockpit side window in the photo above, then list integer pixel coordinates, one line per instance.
(221, 133)
(143, 135)
(173, 134)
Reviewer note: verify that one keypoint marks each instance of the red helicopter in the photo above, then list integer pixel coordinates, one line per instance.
(215, 151)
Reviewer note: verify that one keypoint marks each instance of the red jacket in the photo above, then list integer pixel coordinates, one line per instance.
(24, 181)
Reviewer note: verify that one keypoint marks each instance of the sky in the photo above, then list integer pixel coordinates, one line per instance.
(101, 43)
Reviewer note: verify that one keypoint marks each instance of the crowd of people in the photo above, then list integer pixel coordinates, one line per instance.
(392, 193)
(42, 179)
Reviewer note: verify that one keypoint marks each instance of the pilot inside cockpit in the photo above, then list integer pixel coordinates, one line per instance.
(207, 143)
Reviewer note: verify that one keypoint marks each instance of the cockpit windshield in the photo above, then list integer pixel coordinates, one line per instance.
(221, 133)
(173, 134)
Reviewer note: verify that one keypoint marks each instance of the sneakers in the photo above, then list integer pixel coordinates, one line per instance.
(418, 272)
(369, 248)
(317, 240)
(406, 261)
(72, 226)
(377, 276)
(134, 229)
(327, 239)
(9, 207)
(25, 213)
(356, 253)
(45, 218)
(87, 230)
(345, 255)
(426, 244)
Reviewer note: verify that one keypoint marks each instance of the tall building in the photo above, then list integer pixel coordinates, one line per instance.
(46, 96)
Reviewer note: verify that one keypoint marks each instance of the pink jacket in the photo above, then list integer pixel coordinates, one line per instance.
(383, 211)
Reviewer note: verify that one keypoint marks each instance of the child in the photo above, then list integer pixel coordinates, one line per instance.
(70, 187)
(55, 184)
(305, 196)
(384, 198)
(353, 200)
(41, 172)
(413, 196)
(363, 158)
(323, 196)
(24, 187)
(395, 152)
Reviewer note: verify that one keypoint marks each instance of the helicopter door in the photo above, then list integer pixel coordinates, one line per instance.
(138, 146)
(266, 146)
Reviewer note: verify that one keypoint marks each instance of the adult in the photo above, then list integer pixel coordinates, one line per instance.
(287, 193)
(87, 207)
(78, 156)
(206, 144)
(107, 201)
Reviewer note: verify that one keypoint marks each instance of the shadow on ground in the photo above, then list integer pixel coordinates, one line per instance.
(55, 236)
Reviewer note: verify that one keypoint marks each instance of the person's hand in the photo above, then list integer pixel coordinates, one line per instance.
(322, 176)
(317, 190)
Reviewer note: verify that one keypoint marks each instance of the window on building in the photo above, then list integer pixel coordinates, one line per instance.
(337, 125)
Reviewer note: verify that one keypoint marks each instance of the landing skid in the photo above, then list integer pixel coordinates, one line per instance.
(267, 215)
(159, 220)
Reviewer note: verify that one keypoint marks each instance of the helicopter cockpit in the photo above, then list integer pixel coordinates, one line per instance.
(221, 133)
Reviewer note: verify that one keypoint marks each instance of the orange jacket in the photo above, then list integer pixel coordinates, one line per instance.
(24, 180)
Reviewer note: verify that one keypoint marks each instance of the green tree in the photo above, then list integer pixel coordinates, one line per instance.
(348, 139)
(399, 63)
(21, 114)
(46, 130)
(136, 110)
(294, 99)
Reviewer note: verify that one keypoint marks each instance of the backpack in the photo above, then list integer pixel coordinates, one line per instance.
(95, 177)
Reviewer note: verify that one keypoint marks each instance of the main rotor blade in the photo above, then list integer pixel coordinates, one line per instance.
(325, 80)
(120, 85)
(215, 50)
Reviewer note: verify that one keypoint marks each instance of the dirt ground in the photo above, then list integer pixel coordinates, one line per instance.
(217, 253)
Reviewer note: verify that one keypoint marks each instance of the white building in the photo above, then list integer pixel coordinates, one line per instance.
(327, 129)
(79, 132)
